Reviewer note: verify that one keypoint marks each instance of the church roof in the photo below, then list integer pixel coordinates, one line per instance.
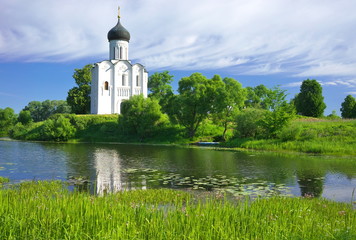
(119, 33)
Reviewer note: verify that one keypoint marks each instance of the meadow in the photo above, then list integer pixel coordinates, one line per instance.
(308, 135)
(48, 210)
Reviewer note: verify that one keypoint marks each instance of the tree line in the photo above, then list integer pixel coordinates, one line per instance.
(221, 102)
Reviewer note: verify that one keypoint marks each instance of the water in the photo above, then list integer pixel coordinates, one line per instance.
(114, 167)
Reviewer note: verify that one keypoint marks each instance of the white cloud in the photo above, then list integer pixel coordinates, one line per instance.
(302, 38)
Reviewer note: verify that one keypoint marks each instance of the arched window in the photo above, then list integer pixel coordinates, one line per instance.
(116, 54)
(137, 81)
(106, 85)
(123, 80)
(121, 53)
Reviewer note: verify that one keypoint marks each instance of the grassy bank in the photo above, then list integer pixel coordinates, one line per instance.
(320, 136)
(46, 210)
(337, 137)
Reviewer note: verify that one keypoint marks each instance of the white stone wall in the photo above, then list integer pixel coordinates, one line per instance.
(106, 98)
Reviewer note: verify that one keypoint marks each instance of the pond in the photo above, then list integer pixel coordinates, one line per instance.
(114, 167)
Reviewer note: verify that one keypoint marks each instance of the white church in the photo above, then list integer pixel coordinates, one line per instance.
(117, 79)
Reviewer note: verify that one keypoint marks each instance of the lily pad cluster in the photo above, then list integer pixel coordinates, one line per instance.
(244, 186)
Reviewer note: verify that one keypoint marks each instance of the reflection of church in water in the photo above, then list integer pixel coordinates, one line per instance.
(109, 173)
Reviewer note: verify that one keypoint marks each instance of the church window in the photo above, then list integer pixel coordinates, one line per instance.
(137, 81)
(123, 83)
(116, 54)
(106, 85)
(121, 53)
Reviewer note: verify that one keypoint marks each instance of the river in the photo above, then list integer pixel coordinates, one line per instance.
(115, 167)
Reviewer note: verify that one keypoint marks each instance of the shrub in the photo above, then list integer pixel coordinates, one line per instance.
(141, 116)
(58, 129)
(290, 133)
(248, 122)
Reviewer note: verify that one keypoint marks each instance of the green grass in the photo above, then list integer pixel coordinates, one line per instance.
(335, 137)
(46, 210)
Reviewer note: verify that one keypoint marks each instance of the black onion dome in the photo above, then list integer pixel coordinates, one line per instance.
(119, 33)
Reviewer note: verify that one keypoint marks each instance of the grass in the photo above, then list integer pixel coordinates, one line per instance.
(47, 210)
(331, 137)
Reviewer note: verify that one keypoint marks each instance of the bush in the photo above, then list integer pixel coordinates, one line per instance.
(290, 133)
(249, 122)
(141, 117)
(58, 129)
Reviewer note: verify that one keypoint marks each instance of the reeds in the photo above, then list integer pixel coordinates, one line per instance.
(47, 210)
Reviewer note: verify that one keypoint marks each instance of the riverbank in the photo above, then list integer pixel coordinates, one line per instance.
(308, 135)
(47, 210)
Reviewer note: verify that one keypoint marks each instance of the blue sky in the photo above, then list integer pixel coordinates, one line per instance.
(274, 42)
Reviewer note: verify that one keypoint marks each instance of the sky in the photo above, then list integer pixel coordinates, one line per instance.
(274, 42)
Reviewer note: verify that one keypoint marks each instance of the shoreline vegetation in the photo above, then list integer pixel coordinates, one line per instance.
(302, 135)
(48, 210)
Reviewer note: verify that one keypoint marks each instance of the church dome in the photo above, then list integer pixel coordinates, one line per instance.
(119, 33)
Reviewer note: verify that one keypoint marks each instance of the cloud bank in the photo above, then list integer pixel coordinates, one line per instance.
(302, 38)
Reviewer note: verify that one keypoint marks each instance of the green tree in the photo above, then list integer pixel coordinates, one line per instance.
(196, 99)
(229, 101)
(140, 116)
(58, 129)
(41, 111)
(7, 120)
(79, 97)
(310, 101)
(160, 88)
(265, 98)
(25, 117)
(348, 107)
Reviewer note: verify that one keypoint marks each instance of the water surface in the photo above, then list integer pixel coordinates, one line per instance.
(115, 167)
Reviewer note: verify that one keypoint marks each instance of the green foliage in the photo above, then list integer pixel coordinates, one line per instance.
(158, 85)
(196, 99)
(8, 119)
(333, 137)
(141, 116)
(47, 210)
(41, 111)
(274, 121)
(310, 101)
(25, 117)
(333, 116)
(79, 97)
(348, 107)
(265, 98)
(230, 98)
(249, 122)
(58, 129)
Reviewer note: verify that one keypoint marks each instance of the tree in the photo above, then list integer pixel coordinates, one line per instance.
(140, 116)
(41, 111)
(79, 97)
(265, 98)
(7, 120)
(348, 107)
(160, 88)
(310, 101)
(25, 117)
(229, 101)
(194, 102)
